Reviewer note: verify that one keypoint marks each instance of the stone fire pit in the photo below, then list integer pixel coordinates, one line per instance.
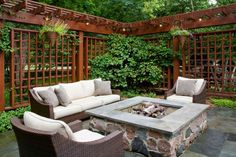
(166, 135)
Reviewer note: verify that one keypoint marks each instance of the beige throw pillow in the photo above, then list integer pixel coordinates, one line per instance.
(62, 96)
(186, 87)
(49, 97)
(102, 87)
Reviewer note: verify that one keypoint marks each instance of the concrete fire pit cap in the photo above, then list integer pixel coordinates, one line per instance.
(169, 124)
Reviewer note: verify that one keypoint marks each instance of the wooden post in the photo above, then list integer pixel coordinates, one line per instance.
(79, 57)
(2, 81)
(176, 60)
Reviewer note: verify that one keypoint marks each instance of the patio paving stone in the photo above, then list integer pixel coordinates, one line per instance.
(218, 141)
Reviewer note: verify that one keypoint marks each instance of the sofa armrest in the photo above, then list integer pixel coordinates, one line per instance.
(75, 125)
(39, 107)
(170, 92)
(115, 91)
(200, 97)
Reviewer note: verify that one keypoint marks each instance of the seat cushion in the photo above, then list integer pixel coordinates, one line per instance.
(86, 136)
(179, 98)
(107, 99)
(198, 84)
(76, 106)
(38, 122)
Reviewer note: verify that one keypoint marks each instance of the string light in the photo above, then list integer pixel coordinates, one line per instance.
(123, 29)
(161, 25)
(87, 23)
(200, 19)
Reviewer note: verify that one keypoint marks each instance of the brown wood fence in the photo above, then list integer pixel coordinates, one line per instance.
(36, 62)
(212, 56)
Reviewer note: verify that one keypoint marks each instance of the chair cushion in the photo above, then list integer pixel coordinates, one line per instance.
(62, 96)
(74, 90)
(49, 97)
(76, 106)
(186, 87)
(102, 87)
(198, 84)
(186, 99)
(86, 136)
(107, 99)
(38, 122)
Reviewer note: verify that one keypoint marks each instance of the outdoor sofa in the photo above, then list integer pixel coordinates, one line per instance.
(188, 91)
(38, 136)
(84, 95)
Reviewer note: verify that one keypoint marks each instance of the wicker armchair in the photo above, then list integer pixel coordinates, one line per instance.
(199, 97)
(35, 143)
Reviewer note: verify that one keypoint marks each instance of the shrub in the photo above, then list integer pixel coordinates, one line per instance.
(130, 62)
(224, 102)
(5, 117)
(134, 93)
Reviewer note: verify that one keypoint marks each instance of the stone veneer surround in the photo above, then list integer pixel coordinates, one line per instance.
(167, 137)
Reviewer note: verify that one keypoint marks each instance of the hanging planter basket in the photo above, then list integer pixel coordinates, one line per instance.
(52, 37)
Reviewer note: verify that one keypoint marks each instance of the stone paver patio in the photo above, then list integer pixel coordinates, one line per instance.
(218, 141)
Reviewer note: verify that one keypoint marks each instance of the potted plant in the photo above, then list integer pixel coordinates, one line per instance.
(175, 31)
(54, 29)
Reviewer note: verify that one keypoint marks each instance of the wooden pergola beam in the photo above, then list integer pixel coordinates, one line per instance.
(35, 11)
(28, 18)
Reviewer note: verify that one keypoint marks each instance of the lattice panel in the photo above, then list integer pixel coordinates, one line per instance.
(212, 56)
(36, 62)
(93, 47)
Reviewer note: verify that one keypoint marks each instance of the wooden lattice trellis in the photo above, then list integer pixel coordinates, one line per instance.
(212, 56)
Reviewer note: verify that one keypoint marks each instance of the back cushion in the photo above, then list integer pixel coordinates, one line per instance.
(74, 90)
(198, 86)
(38, 122)
(186, 87)
(36, 89)
(88, 87)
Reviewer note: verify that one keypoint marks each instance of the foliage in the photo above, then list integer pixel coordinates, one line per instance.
(5, 42)
(134, 93)
(224, 102)
(131, 62)
(50, 26)
(176, 31)
(135, 10)
(5, 117)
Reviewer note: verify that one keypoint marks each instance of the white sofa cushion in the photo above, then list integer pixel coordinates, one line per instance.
(74, 90)
(36, 89)
(86, 136)
(107, 99)
(76, 106)
(198, 84)
(186, 99)
(38, 122)
(87, 87)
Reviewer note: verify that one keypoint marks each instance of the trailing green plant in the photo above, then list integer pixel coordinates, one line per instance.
(130, 62)
(50, 26)
(230, 103)
(176, 31)
(6, 116)
(134, 93)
